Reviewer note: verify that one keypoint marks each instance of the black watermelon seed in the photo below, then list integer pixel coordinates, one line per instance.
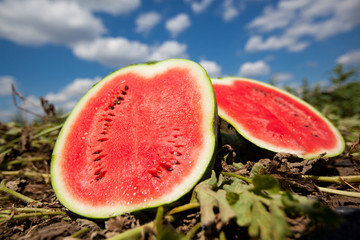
(111, 107)
(315, 135)
(98, 159)
(98, 178)
(97, 173)
(120, 98)
(306, 126)
(97, 152)
(166, 165)
(123, 92)
(177, 154)
(126, 87)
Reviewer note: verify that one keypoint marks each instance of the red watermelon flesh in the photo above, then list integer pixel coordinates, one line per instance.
(141, 137)
(274, 119)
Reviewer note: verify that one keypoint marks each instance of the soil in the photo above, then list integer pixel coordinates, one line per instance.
(29, 176)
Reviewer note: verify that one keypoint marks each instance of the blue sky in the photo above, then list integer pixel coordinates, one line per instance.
(58, 49)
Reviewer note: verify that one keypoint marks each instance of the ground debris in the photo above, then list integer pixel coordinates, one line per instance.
(17, 185)
(352, 150)
(121, 223)
(288, 169)
(286, 162)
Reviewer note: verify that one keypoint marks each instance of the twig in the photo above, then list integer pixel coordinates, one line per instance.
(134, 233)
(45, 176)
(334, 179)
(158, 219)
(13, 193)
(81, 232)
(356, 189)
(48, 130)
(38, 214)
(25, 210)
(248, 180)
(7, 218)
(16, 140)
(352, 149)
(339, 192)
(24, 160)
(10, 214)
(192, 231)
(183, 208)
(23, 108)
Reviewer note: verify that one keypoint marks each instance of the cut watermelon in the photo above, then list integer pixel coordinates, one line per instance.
(141, 137)
(275, 120)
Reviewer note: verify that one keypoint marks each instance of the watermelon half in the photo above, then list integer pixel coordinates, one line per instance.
(141, 137)
(275, 120)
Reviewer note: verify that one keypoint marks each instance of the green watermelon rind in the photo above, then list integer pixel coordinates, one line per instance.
(265, 145)
(202, 168)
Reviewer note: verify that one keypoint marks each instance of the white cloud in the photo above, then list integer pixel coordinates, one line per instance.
(70, 94)
(282, 77)
(256, 43)
(211, 67)
(169, 49)
(290, 21)
(199, 6)
(115, 52)
(147, 21)
(229, 10)
(45, 21)
(178, 24)
(271, 20)
(114, 7)
(352, 57)
(253, 69)
(312, 63)
(119, 52)
(5, 85)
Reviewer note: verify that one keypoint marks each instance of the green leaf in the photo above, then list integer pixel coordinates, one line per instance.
(266, 222)
(169, 233)
(237, 186)
(238, 165)
(232, 197)
(243, 208)
(279, 224)
(209, 199)
(261, 222)
(207, 202)
(266, 182)
(257, 169)
(226, 211)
